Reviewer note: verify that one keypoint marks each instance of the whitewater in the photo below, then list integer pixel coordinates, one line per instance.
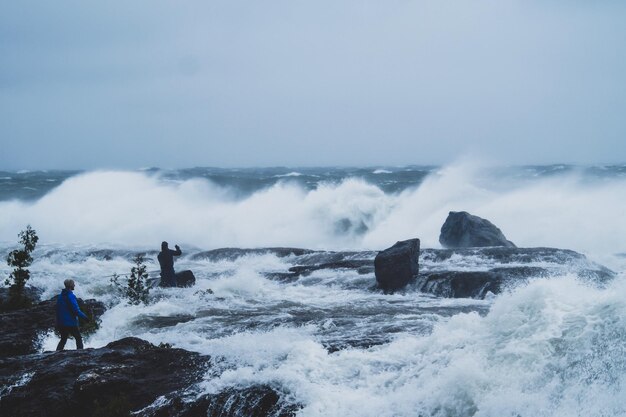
(329, 341)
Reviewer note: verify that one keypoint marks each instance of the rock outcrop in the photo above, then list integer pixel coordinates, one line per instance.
(397, 266)
(124, 376)
(254, 401)
(463, 230)
(20, 329)
(31, 294)
(461, 273)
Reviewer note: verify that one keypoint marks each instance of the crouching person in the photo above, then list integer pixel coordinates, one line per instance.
(67, 315)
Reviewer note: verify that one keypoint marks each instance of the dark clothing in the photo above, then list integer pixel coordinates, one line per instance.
(67, 309)
(166, 260)
(65, 332)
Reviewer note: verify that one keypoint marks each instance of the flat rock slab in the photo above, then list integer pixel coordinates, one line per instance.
(253, 401)
(126, 375)
(476, 272)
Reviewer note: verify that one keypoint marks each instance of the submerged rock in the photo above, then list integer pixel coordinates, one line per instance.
(398, 265)
(21, 329)
(124, 376)
(463, 230)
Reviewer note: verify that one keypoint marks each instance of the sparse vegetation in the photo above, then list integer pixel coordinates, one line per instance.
(20, 260)
(136, 290)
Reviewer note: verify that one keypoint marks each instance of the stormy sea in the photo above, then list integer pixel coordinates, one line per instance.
(286, 295)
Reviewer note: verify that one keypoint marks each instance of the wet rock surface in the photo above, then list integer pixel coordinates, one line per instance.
(230, 254)
(21, 329)
(456, 273)
(30, 293)
(126, 375)
(254, 401)
(461, 273)
(463, 230)
(397, 266)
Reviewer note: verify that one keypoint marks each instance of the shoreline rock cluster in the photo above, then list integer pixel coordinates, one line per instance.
(127, 375)
(133, 375)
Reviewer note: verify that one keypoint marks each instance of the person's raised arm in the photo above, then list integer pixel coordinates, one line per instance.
(177, 252)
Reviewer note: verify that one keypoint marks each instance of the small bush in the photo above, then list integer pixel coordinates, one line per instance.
(135, 291)
(20, 260)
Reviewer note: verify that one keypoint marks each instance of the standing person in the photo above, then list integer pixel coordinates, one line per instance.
(67, 315)
(166, 260)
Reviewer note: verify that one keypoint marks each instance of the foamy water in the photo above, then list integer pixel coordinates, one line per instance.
(329, 341)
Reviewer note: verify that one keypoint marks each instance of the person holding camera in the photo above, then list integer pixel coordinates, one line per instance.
(166, 261)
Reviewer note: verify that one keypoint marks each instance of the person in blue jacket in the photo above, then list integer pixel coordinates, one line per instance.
(67, 315)
(166, 261)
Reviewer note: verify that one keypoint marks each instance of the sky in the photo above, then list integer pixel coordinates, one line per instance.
(237, 83)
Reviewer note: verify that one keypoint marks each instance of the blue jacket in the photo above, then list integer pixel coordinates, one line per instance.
(67, 309)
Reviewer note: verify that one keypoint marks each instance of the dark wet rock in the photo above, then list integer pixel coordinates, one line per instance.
(32, 294)
(230, 254)
(362, 266)
(21, 329)
(463, 230)
(397, 266)
(475, 284)
(460, 273)
(254, 401)
(185, 279)
(329, 257)
(126, 375)
(284, 277)
(502, 255)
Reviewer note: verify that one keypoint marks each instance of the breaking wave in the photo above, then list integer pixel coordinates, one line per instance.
(140, 208)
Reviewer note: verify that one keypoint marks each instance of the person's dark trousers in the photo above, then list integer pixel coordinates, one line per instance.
(65, 332)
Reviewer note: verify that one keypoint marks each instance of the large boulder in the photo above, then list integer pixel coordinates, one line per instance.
(397, 266)
(185, 279)
(463, 230)
(124, 376)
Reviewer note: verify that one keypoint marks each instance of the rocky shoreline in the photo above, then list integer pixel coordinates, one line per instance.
(133, 375)
(128, 375)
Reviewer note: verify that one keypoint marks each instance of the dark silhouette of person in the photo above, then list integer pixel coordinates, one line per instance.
(67, 315)
(166, 260)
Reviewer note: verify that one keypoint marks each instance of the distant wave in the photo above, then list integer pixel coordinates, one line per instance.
(137, 208)
(291, 174)
(382, 171)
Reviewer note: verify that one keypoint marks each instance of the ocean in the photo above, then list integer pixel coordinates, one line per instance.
(329, 340)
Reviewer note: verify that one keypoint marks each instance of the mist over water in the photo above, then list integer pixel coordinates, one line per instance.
(324, 208)
(329, 341)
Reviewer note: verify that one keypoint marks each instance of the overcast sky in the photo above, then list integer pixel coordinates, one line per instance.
(129, 84)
